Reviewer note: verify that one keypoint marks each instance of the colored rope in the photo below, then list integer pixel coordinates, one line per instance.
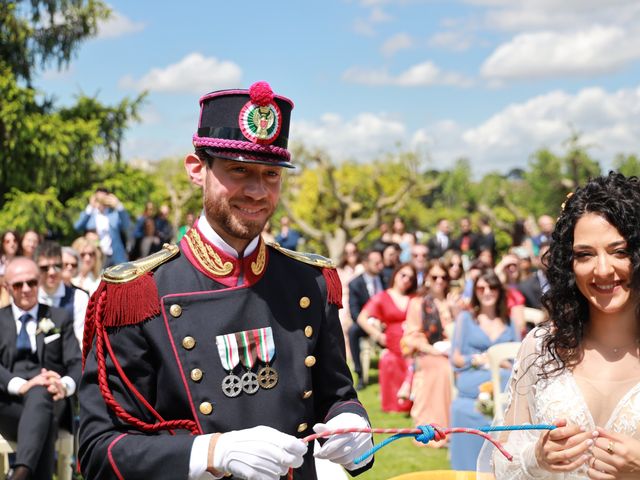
(425, 433)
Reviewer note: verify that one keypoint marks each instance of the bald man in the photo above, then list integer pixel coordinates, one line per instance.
(40, 365)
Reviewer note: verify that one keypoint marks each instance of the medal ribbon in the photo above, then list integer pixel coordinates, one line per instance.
(228, 351)
(247, 348)
(266, 345)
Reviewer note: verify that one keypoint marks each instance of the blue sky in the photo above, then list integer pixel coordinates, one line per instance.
(490, 80)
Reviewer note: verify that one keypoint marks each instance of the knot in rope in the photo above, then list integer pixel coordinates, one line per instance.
(428, 433)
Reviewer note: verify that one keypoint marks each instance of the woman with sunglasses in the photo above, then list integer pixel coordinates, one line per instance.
(484, 325)
(581, 369)
(425, 340)
(90, 266)
(389, 307)
(8, 250)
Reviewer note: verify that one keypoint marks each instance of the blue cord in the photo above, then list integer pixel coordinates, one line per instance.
(429, 433)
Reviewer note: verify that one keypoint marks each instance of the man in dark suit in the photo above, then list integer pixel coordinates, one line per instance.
(536, 284)
(441, 241)
(465, 243)
(217, 357)
(39, 367)
(361, 288)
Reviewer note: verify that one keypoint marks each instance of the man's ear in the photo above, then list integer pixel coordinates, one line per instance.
(196, 169)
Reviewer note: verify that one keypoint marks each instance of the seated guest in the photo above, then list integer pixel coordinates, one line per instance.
(90, 267)
(70, 262)
(390, 308)
(485, 325)
(39, 366)
(361, 289)
(424, 340)
(54, 292)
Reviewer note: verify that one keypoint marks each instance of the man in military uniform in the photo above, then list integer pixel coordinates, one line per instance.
(215, 358)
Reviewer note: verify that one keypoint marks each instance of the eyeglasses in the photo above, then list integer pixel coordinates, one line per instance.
(45, 268)
(482, 288)
(90, 254)
(438, 277)
(17, 286)
(70, 264)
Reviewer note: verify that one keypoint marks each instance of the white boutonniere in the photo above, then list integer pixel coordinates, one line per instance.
(46, 326)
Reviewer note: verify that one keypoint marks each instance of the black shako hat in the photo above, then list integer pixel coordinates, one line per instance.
(249, 126)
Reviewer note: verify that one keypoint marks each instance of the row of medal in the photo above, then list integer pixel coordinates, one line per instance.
(247, 348)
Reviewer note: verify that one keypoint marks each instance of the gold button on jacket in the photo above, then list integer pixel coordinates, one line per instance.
(196, 374)
(175, 310)
(310, 361)
(302, 427)
(305, 302)
(307, 394)
(188, 343)
(206, 408)
(308, 331)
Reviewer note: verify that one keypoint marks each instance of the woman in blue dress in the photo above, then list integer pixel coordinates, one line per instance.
(477, 329)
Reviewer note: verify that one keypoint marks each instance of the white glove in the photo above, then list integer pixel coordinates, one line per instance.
(345, 448)
(258, 453)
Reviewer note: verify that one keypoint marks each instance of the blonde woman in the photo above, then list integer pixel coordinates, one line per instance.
(90, 266)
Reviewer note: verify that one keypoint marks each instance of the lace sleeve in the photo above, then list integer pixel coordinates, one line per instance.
(520, 410)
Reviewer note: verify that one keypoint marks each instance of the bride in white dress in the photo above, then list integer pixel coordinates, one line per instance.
(581, 371)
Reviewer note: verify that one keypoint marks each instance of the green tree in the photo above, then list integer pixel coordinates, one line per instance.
(36, 33)
(41, 145)
(627, 165)
(332, 204)
(552, 176)
(42, 212)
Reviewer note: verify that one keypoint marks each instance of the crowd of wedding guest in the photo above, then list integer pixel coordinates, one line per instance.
(428, 306)
(431, 306)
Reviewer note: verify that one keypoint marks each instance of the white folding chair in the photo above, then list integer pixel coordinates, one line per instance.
(497, 354)
(64, 447)
(534, 315)
(368, 347)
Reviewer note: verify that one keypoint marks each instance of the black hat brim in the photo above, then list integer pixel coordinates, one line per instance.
(249, 158)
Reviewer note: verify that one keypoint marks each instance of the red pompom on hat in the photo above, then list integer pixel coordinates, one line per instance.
(261, 93)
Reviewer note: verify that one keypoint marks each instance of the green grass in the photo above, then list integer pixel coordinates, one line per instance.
(401, 456)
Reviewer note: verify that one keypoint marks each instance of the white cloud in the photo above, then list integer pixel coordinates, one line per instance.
(520, 15)
(193, 74)
(366, 26)
(451, 40)
(420, 75)
(363, 138)
(607, 121)
(118, 25)
(594, 50)
(394, 44)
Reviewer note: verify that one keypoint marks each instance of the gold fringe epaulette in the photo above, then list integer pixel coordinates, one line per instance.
(128, 271)
(308, 258)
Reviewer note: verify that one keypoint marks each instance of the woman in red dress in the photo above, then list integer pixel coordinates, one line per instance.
(390, 309)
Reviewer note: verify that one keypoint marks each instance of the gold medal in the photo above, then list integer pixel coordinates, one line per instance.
(267, 377)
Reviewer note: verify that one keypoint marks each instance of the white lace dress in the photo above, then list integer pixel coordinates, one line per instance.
(540, 401)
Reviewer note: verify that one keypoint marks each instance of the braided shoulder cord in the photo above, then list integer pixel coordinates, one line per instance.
(109, 399)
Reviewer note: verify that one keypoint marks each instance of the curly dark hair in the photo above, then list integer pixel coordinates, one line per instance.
(617, 199)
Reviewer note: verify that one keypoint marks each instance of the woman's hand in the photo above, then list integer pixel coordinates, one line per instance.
(381, 339)
(565, 448)
(479, 359)
(614, 454)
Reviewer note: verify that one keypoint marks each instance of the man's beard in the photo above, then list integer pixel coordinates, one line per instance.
(218, 212)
